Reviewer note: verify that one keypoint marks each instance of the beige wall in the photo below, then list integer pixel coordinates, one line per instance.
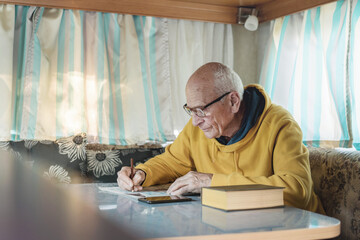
(245, 54)
(249, 50)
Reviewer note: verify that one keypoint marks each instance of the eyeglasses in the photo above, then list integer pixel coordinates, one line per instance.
(199, 111)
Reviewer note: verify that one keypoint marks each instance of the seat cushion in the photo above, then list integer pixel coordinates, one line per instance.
(336, 176)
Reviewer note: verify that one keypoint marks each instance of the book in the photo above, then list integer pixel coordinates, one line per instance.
(242, 197)
(245, 220)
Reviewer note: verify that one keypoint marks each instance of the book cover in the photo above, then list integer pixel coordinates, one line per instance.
(242, 197)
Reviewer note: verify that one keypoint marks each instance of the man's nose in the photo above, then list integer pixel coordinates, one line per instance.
(196, 120)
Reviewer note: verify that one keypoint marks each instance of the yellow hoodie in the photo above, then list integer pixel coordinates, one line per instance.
(271, 153)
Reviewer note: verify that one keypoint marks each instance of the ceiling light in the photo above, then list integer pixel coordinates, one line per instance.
(248, 17)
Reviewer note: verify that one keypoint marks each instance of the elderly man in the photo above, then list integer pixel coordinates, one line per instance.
(234, 137)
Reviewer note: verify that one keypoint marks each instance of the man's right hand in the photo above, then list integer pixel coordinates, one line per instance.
(126, 183)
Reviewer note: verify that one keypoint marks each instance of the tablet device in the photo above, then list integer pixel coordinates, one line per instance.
(164, 199)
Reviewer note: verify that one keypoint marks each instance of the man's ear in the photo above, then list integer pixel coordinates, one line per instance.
(235, 101)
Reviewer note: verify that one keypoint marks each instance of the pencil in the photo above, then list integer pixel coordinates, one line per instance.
(132, 170)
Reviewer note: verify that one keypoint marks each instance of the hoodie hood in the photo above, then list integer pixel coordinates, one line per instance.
(244, 130)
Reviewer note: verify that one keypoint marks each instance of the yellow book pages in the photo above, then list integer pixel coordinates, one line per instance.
(216, 199)
(242, 197)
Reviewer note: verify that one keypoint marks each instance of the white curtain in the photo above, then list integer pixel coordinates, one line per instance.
(118, 78)
(192, 44)
(7, 29)
(310, 67)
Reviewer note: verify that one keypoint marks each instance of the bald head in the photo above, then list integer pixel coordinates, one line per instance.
(215, 79)
(217, 91)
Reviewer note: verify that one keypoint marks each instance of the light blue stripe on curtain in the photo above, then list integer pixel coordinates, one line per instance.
(20, 75)
(268, 71)
(82, 94)
(337, 82)
(100, 71)
(118, 99)
(115, 101)
(110, 77)
(312, 59)
(60, 74)
(139, 22)
(71, 64)
(153, 69)
(305, 74)
(319, 52)
(291, 100)
(35, 79)
(355, 105)
(282, 35)
(292, 87)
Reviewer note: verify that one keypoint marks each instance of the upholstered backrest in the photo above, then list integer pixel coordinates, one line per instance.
(104, 161)
(336, 176)
(73, 160)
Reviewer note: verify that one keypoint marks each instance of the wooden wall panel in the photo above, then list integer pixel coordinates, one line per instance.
(279, 8)
(156, 8)
(222, 11)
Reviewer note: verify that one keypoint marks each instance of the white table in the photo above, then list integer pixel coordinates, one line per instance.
(191, 220)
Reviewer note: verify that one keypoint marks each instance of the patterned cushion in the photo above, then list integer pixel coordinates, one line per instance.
(62, 161)
(21, 152)
(72, 160)
(336, 176)
(17, 150)
(104, 161)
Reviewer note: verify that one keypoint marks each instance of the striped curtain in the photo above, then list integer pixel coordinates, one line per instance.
(64, 71)
(311, 67)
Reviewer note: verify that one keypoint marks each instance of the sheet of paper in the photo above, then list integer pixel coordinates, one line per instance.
(134, 195)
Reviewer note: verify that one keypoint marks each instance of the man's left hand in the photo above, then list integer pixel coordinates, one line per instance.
(192, 182)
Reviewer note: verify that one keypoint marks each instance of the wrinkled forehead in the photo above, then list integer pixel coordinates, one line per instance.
(199, 93)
